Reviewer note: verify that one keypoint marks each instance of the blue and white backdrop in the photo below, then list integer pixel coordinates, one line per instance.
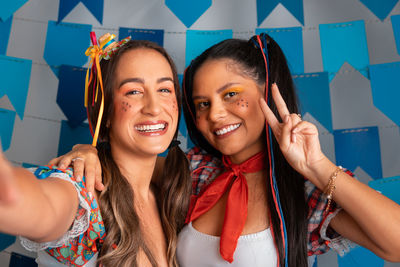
(344, 56)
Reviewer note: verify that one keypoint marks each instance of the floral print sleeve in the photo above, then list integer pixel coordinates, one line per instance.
(80, 243)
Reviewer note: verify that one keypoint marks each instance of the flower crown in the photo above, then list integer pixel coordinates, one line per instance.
(105, 50)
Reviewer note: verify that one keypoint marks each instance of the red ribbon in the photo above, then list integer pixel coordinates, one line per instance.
(236, 206)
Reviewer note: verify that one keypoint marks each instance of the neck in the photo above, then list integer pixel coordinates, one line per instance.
(137, 169)
(244, 155)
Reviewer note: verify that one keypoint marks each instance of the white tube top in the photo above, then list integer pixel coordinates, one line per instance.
(198, 249)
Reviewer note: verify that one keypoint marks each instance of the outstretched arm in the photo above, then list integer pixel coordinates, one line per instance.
(369, 218)
(41, 210)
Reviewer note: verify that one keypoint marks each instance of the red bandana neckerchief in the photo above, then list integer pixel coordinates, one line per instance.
(236, 205)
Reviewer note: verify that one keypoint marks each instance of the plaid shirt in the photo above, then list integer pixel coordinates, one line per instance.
(205, 168)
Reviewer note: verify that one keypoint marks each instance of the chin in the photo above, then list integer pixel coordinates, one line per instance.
(153, 149)
(228, 151)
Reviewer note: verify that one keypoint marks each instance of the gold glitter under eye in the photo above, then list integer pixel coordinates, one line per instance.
(232, 90)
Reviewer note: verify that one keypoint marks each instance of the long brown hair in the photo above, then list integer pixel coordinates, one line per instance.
(172, 193)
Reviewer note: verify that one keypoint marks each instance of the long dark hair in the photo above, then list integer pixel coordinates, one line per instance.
(250, 61)
(173, 190)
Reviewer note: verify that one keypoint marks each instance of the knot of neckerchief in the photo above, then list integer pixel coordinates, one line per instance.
(234, 181)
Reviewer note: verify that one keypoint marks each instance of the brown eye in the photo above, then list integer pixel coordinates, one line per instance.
(133, 92)
(202, 105)
(165, 90)
(230, 94)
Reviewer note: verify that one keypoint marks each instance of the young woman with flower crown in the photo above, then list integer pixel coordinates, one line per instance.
(263, 196)
(134, 221)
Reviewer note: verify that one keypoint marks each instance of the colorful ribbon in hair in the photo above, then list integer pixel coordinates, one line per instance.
(104, 50)
(262, 44)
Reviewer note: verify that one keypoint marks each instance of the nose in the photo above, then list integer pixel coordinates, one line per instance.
(217, 111)
(151, 105)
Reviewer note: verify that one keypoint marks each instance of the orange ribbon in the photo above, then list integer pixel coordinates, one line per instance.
(95, 52)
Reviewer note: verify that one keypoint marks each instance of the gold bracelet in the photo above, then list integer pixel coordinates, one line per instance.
(330, 188)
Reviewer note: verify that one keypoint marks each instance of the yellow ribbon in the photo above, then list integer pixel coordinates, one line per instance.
(95, 52)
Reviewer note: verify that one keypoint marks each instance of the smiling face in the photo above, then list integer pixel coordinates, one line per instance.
(145, 110)
(228, 113)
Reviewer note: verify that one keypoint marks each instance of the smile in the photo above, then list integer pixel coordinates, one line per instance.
(151, 128)
(227, 129)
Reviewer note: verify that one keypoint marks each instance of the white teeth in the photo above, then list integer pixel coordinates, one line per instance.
(227, 129)
(151, 128)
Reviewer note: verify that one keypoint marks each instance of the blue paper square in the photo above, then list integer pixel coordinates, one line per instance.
(71, 94)
(96, 7)
(188, 11)
(314, 94)
(19, 260)
(66, 44)
(290, 41)
(5, 28)
(264, 8)
(359, 147)
(380, 8)
(396, 30)
(385, 89)
(7, 118)
(198, 41)
(9, 7)
(15, 75)
(156, 36)
(6, 241)
(182, 123)
(389, 187)
(71, 136)
(344, 42)
(360, 257)
(29, 165)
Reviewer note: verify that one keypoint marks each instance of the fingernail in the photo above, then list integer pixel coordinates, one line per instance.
(79, 178)
(294, 138)
(91, 195)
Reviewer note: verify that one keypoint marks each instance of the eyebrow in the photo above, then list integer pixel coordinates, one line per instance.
(141, 81)
(219, 90)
